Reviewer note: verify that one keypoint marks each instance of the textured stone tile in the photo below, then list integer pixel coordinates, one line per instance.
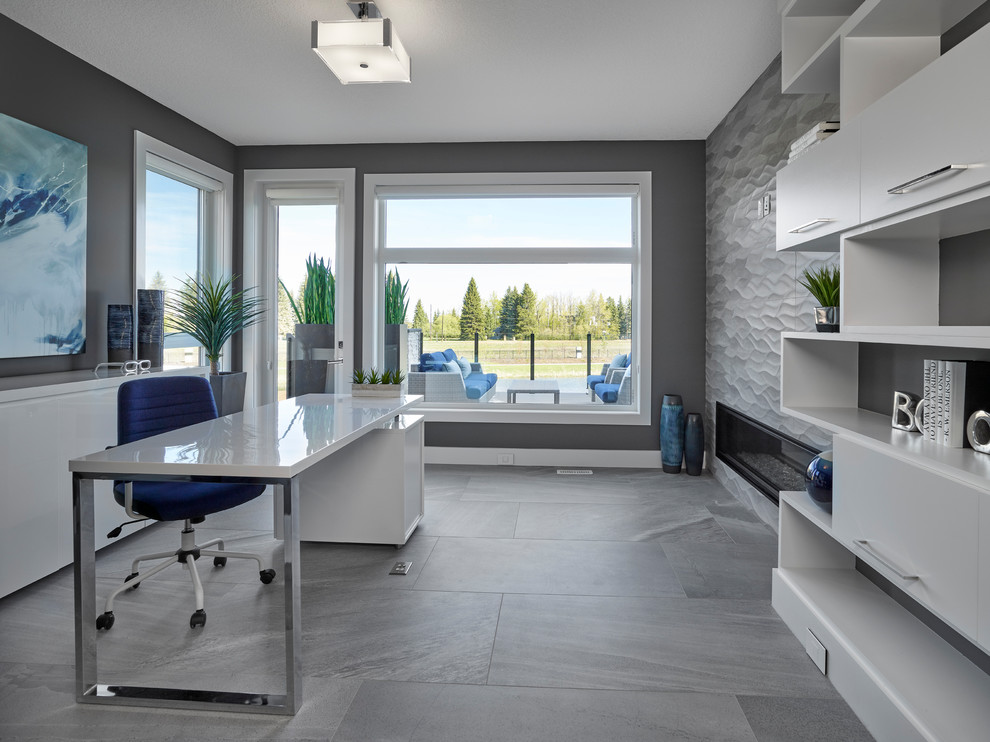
(399, 634)
(661, 520)
(548, 567)
(363, 566)
(723, 570)
(710, 646)
(482, 519)
(452, 713)
(805, 719)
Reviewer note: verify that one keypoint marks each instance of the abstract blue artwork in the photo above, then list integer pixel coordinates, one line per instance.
(42, 242)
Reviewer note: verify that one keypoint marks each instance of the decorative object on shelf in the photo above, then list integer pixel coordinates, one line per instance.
(212, 312)
(978, 431)
(823, 284)
(374, 384)
(312, 343)
(151, 325)
(120, 333)
(694, 443)
(818, 480)
(953, 391)
(672, 433)
(905, 412)
(43, 231)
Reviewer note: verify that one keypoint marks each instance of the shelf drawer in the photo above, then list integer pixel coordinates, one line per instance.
(918, 527)
(818, 194)
(936, 118)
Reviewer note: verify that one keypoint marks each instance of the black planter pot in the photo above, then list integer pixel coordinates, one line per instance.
(312, 347)
(228, 391)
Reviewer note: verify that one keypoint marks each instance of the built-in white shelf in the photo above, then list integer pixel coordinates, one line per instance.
(876, 647)
(802, 502)
(974, 337)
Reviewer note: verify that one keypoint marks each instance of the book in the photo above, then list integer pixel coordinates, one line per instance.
(939, 400)
(967, 390)
(926, 396)
(825, 127)
(809, 139)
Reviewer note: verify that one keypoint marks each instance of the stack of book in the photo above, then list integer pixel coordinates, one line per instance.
(953, 390)
(822, 130)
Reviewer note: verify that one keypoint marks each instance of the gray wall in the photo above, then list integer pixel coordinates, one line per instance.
(678, 302)
(753, 294)
(46, 86)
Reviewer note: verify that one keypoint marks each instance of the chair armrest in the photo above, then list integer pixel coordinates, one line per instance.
(476, 368)
(614, 375)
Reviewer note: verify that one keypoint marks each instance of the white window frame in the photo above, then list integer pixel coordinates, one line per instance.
(216, 210)
(264, 190)
(639, 256)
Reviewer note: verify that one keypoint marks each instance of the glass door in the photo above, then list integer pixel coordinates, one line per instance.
(306, 249)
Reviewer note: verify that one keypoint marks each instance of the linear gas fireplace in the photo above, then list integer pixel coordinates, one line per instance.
(771, 461)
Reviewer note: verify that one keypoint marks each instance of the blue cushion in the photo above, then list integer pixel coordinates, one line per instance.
(449, 355)
(608, 393)
(619, 361)
(451, 367)
(476, 385)
(492, 379)
(432, 361)
(594, 380)
(465, 366)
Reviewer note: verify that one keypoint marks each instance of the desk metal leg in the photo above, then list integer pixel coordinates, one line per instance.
(288, 492)
(84, 576)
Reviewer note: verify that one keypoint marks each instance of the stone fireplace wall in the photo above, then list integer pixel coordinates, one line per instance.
(753, 293)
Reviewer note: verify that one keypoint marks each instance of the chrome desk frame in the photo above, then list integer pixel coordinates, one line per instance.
(88, 690)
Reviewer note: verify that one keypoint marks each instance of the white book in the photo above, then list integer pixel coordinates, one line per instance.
(939, 401)
(931, 405)
(947, 403)
(955, 430)
(926, 396)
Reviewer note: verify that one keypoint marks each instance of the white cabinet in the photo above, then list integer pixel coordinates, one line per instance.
(916, 526)
(372, 493)
(984, 570)
(936, 119)
(818, 194)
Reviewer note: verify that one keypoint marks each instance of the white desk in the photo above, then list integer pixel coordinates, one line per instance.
(273, 444)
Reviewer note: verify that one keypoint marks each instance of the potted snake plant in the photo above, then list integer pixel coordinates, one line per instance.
(312, 343)
(823, 284)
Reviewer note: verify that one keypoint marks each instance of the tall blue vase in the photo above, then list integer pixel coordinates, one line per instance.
(672, 433)
(694, 443)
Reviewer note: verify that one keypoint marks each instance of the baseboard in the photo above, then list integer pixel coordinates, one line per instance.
(543, 457)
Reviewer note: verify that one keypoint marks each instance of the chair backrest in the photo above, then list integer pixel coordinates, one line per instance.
(154, 405)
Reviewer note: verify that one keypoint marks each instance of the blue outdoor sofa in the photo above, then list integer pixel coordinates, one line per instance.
(443, 377)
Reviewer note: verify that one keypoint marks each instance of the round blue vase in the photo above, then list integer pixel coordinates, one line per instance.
(694, 443)
(818, 480)
(672, 433)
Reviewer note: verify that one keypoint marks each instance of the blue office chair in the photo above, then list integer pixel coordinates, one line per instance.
(153, 405)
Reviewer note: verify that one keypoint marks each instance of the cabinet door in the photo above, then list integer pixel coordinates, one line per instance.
(938, 117)
(920, 528)
(31, 492)
(984, 572)
(818, 193)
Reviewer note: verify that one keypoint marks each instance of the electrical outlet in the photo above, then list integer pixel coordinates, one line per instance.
(505, 459)
(400, 568)
(759, 208)
(766, 204)
(816, 650)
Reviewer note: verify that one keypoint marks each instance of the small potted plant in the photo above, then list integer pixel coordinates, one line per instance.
(823, 283)
(375, 384)
(212, 312)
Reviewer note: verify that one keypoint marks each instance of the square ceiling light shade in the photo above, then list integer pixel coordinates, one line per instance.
(366, 50)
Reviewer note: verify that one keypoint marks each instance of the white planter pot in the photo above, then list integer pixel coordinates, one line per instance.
(376, 390)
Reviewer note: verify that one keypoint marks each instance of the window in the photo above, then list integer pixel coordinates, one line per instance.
(540, 279)
(182, 228)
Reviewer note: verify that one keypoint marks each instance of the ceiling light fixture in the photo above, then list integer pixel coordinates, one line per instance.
(363, 50)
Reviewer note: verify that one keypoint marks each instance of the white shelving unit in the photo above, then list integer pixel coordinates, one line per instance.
(915, 511)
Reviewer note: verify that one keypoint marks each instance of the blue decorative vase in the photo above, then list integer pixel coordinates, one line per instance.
(120, 333)
(151, 326)
(672, 433)
(818, 480)
(694, 443)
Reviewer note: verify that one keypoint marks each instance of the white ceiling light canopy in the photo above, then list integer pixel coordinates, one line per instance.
(364, 50)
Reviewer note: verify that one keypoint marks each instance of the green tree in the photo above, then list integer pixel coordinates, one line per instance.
(526, 318)
(158, 282)
(420, 320)
(508, 313)
(622, 317)
(493, 310)
(472, 313)
(446, 325)
(286, 317)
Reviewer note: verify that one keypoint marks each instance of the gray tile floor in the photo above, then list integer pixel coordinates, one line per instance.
(625, 605)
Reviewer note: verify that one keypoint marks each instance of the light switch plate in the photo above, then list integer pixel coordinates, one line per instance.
(816, 650)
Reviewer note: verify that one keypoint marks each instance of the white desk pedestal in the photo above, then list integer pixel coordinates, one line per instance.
(372, 493)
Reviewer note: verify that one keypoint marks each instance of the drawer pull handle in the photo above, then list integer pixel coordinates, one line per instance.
(921, 179)
(809, 225)
(865, 546)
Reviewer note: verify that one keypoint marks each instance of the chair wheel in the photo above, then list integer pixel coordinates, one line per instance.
(130, 577)
(267, 575)
(197, 619)
(104, 621)
(219, 561)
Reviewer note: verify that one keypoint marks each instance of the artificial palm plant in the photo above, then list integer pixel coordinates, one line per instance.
(212, 312)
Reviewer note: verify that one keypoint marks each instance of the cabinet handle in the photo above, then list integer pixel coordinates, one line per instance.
(335, 361)
(896, 190)
(865, 546)
(809, 225)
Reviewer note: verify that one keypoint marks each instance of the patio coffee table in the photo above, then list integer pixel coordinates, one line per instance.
(533, 386)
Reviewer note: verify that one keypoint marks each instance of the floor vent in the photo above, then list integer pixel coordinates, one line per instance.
(572, 472)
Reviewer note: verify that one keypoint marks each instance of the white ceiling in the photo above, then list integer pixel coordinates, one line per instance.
(482, 70)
